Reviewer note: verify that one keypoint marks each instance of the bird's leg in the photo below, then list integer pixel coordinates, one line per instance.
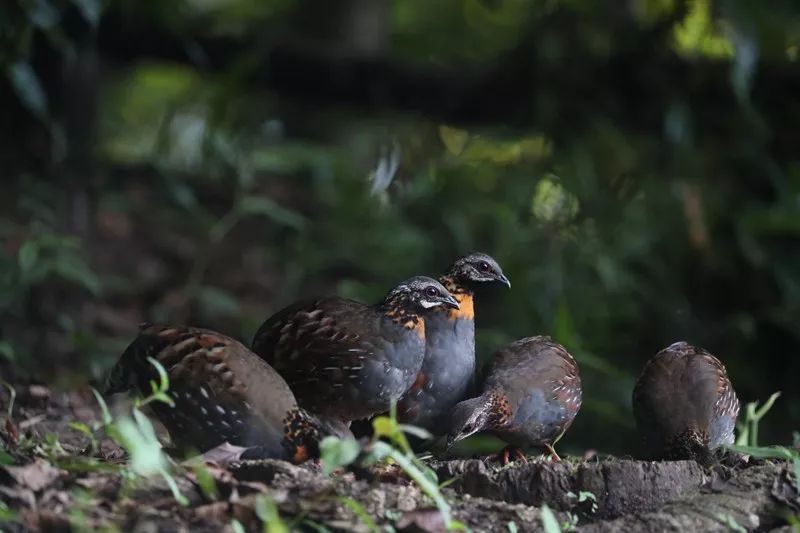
(553, 455)
(505, 455)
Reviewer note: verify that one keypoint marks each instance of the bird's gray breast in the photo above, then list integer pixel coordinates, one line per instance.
(449, 365)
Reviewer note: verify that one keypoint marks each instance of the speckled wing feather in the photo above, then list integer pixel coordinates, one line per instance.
(222, 392)
(684, 390)
(540, 381)
(323, 347)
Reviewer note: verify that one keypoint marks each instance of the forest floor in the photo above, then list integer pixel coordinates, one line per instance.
(53, 478)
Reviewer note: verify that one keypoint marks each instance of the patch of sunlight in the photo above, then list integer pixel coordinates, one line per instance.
(651, 11)
(552, 202)
(478, 149)
(698, 34)
(139, 105)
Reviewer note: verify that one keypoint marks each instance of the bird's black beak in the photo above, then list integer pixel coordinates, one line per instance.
(503, 279)
(450, 301)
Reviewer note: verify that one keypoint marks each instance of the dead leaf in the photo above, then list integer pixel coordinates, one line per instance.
(422, 520)
(222, 455)
(217, 511)
(35, 476)
(38, 392)
(11, 429)
(25, 424)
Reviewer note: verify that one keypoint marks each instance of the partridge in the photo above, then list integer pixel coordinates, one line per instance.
(448, 369)
(684, 404)
(531, 395)
(345, 360)
(222, 393)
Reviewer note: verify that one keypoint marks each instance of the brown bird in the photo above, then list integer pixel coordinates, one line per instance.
(345, 360)
(531, 395)
(684, 404)
(222, 392)
(448, 369)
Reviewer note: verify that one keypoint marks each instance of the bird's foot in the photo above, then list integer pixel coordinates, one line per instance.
(508, 454)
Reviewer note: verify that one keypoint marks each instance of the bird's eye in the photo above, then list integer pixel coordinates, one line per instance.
(431, 292)
(484, 267)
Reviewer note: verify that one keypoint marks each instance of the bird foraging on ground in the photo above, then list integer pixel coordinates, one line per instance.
(531, 394)
(345, 360)
(448, 369)
(684, 404)
(222, 393)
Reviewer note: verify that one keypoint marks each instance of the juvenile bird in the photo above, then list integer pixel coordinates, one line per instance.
(684, 404)
(448, 369)
(345, 360)
(222, 392)
(531, 395)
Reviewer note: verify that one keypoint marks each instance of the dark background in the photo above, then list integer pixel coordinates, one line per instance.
(633, 166)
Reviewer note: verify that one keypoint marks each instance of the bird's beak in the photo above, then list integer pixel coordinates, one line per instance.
(503, 279)
(450, 302)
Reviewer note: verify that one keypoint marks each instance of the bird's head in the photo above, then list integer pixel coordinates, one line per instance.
(421, 293)
(477, 268)
(468, 418)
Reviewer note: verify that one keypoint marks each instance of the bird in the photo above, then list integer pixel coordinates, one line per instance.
(531, 394)
(222, 393)
(684, 404)
(448, 370)
(345, 360)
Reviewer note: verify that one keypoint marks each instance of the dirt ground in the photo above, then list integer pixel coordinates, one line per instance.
(51, 481)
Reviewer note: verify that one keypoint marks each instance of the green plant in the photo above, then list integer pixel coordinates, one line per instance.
(549, 520)
(135, 433)
(6, 514)
(731, 523)
(267, 512)
(748, 427)
(337, 453)
(361, 513)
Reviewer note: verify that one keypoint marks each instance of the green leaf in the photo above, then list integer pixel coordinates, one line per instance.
(512, 527)
(6, 458)
(237, 526)
(205, 480)
(383, 426)
(267, 512)
(549, 521)
(76, 271)
(28, 89)
(427, 486)
(455, 140)
(420, 433)
(336, 453)
(139, 439)
(764, 409)
(360, 512)
(7, 351)
(261, 205)
(796, 465)
(765, 452)
(107, 419)
(27, 255)
(731, 522)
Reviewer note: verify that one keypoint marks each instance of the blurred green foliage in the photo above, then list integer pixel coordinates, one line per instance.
(205, 198)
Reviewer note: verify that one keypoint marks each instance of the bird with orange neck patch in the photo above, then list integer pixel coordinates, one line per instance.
(345, 360)
(448, 370)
